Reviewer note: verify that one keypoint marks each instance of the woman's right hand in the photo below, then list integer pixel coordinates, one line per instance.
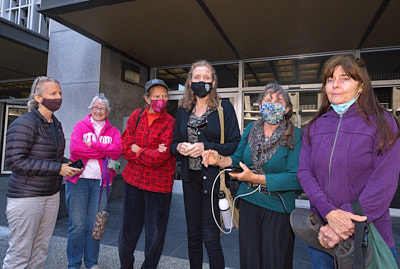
(183, 148)
(210, 157)
(342, 222)
(327, 237)
(68, 171)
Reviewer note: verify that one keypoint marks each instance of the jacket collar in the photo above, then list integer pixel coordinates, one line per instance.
(87, 121)
(38, 114)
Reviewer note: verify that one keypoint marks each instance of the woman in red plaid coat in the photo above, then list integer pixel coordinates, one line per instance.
(148, 176)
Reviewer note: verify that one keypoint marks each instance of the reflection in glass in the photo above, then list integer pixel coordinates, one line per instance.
(285, 71)
(382, 65)
(227, 75)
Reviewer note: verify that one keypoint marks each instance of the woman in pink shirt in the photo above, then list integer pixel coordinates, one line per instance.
(94, 141)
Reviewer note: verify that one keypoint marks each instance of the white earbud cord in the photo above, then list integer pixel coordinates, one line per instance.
(234, 200)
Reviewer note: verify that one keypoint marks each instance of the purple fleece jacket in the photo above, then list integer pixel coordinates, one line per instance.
(357, 171)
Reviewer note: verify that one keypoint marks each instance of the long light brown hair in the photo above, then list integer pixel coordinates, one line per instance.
(189, 99)
(367, 103)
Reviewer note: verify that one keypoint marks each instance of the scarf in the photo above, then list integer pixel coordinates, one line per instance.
(263, 148)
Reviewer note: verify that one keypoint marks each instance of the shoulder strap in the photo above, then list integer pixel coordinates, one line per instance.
(360, 253)
(138, 119)
(221, 121)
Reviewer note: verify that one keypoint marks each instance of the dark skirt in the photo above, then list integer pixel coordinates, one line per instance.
(265, 237)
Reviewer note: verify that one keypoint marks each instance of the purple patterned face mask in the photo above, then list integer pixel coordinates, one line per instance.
(158, 105)
(273, 113)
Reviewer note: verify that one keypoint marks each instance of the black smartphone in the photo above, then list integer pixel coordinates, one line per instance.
(77, 164)
(233, 169)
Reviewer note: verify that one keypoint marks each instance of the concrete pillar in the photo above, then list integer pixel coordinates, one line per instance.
(85, 68)
(74, 61)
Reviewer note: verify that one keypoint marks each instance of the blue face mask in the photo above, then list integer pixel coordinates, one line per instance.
(342, 108)
(273, 113)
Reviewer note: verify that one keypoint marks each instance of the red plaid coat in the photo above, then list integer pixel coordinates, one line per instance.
(150, 169)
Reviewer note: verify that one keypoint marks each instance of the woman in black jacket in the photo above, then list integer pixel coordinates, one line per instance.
(197, 128)
(34, 154)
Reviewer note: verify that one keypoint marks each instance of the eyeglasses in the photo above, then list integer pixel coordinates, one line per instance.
(199, 126)
(101, 109)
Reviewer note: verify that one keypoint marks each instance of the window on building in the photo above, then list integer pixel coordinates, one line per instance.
(12, 112)
(383, 65)
(285, 71)
(24, 13)
(384, 96)
(15, 89)
(176, 77)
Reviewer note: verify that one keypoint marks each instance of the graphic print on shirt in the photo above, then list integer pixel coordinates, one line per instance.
(91, 137)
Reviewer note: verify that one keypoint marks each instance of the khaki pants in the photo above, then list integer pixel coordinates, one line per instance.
(31, 222)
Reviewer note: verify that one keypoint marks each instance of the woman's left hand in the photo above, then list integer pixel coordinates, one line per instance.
(135, 148)
(342, 222)
(196, 150)
(248, 175)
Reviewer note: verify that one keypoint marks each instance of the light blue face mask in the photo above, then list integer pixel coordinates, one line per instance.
(342, 108)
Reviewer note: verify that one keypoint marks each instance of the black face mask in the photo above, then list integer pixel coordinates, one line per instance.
(201, 89)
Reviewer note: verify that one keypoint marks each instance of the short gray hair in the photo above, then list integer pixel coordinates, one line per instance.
(102, 99)
(37, 89)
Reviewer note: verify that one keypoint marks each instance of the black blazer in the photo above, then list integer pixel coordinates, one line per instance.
(34, 157)
(210, 136)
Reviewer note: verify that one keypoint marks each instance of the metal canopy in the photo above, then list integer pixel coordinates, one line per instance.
(23, 53)
(162, 33)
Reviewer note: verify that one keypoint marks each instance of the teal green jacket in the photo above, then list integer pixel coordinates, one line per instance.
(280, 174)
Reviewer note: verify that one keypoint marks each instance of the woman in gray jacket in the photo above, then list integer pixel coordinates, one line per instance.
(34, 154)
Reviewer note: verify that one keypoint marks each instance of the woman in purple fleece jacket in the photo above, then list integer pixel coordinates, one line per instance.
(349, 153)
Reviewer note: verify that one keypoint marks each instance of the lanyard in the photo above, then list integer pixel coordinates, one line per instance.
(105, 177)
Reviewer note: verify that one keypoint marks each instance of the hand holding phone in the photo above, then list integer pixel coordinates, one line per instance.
(233, 169)
(77, 164)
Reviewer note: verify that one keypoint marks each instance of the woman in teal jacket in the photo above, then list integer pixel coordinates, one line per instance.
(269, 156)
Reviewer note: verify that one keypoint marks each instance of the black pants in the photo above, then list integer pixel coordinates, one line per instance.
(150, 209)
(266, 239)
(200, 224)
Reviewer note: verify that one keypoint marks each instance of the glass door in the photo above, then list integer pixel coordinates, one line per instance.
(12, 112)
(172, 108)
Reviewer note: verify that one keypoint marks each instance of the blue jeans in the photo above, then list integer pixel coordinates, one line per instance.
(322, 260)
(82, 205)
(150, 209)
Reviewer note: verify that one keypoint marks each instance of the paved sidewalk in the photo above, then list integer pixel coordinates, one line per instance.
(175, 254)
(108, 256)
